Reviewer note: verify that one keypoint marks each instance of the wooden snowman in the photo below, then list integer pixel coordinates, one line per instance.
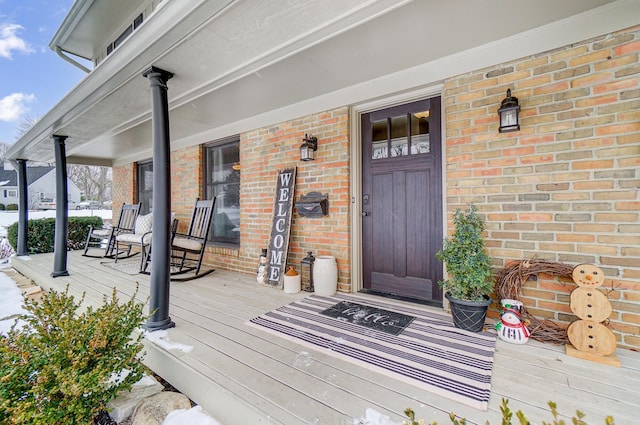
(591, 340)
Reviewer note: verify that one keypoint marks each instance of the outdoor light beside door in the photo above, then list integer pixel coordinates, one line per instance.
(308, 148)
(509, 114)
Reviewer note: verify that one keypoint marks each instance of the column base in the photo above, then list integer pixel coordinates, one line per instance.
(159, 326)
(58, 274)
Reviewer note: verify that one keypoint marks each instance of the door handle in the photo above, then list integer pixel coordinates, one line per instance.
(365, 214)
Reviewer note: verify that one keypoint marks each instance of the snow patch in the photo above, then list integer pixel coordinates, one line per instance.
(161, 338)
(303, 359)
(193, 416)
(11, 303)
(373, 417)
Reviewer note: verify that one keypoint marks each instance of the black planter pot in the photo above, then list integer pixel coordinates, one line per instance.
(468, 315)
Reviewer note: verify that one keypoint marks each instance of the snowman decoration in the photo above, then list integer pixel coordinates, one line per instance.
(588, 335)
(511, 327)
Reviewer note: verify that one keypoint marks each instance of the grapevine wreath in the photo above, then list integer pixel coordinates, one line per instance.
(509, 285)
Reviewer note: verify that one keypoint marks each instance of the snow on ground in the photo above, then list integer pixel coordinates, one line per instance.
(193, 416)
(161, 338)
(11, 303)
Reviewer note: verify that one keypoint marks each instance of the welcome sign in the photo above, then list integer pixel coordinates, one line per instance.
(281, 226)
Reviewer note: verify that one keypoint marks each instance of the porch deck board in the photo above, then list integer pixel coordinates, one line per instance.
(531, 384)
(243, 375)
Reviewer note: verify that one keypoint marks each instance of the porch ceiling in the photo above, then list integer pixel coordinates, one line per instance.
(236, 60)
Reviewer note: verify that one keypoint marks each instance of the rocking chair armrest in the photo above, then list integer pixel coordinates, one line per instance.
(183, 235)
(187, 236)
(121, 230)
(93, 228)
(142, 236)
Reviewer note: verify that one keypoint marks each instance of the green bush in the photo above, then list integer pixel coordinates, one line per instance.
(64, 367)
(507, 417)
(466, 258)
(2, 207)
(12, 207)
(40, 234)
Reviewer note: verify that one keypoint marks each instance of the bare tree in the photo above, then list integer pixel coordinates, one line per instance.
(26, 124)
(94, 182)
(4, 147)
(24, 127)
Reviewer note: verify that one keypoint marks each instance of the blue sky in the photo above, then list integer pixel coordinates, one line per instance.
(32, 77)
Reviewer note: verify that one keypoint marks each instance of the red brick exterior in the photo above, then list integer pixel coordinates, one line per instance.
(123, 187)
(262, 153)
(266, 150)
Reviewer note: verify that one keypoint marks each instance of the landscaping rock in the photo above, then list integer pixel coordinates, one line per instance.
(153, 410)
(126, 401)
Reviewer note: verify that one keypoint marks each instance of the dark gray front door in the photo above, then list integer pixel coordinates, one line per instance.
(402, 200)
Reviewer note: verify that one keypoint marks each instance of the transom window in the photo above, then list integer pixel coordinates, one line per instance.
(222, 180)
(401, 135)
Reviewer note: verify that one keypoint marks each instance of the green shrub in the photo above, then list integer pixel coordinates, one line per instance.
(64, 367)
(12, 207)
(40, 234)
(507, 417)
(466, 258)
(2, 207)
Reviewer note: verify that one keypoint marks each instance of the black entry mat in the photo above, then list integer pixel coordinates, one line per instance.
(370, 317)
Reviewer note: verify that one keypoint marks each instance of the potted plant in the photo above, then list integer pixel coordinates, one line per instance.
(470, 278)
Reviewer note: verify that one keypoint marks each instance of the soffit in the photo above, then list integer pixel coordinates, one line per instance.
(91, 24)
(238, 60)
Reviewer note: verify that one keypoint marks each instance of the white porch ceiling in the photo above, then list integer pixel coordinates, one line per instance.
(234, 60)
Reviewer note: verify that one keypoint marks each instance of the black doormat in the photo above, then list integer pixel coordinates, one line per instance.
(370, 317)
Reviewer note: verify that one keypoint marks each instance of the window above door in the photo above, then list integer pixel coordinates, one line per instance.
(400, 135)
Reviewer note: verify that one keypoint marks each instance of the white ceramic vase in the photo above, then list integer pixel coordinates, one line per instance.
(325, 275)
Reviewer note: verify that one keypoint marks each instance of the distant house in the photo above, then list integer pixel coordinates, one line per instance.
(41, 181)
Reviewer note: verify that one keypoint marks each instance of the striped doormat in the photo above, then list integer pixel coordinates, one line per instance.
(429, 353)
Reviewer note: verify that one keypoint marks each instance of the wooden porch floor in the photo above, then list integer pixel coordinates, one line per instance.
(241, 375)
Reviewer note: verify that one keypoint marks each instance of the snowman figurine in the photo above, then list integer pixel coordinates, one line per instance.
(511, 327)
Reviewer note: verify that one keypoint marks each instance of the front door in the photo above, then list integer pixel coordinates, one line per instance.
(402, 200)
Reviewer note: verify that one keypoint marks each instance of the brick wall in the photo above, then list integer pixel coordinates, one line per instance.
(123, 187)
(186, 183)
(262, 153)
(565, 187)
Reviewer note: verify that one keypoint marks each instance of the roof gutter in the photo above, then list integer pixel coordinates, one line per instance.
(77, 64)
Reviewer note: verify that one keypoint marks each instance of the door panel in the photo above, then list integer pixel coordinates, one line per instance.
(402, 200)
(382, 238)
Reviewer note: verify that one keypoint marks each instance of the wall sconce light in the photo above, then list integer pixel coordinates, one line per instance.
(509, 111)
(308, 148)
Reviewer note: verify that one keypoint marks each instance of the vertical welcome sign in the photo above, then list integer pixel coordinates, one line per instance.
(281, 226)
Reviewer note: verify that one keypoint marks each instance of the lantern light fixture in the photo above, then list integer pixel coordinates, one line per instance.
(509, 114)
(308, 148)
